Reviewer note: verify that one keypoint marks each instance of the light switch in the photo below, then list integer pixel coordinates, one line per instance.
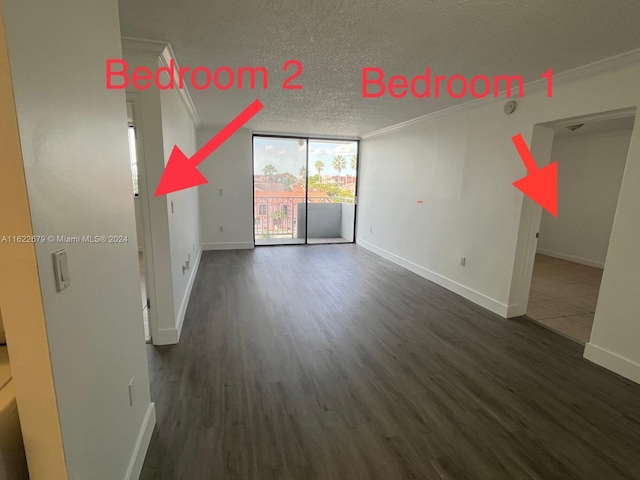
(61, 268)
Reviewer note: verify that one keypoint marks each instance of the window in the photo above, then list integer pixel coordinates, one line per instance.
(262, 209)
(133, 159)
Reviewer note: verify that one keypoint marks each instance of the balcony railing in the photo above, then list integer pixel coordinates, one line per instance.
(277, 217)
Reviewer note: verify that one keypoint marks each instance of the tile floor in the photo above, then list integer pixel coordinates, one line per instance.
(563, 296)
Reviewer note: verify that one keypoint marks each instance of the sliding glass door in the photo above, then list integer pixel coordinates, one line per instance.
(304, 190)
(332, 190)
(279, 189)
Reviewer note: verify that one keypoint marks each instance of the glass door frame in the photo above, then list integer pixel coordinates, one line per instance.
(307, 139)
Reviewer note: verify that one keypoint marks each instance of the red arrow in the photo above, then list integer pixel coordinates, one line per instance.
(181, 172)
(540, 184)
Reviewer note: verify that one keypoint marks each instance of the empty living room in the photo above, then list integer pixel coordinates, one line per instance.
(337, 240)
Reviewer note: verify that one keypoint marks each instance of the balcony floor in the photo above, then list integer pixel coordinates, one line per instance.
(299, 241)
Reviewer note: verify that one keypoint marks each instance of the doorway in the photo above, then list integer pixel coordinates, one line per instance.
(572, 248)
(304, 190)
(140, 200)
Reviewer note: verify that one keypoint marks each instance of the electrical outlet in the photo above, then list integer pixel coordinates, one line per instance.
(131, 392)
(463, 261)
(370, 229)
(221, 228)
(219, 191)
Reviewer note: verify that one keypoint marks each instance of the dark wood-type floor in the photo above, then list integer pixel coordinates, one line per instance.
(328, 362)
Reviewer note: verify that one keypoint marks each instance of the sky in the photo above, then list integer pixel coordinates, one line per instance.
(289, 155)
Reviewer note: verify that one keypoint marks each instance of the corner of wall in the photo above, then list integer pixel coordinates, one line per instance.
(142, 444)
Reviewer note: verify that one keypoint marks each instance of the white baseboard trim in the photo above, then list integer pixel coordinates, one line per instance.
(516, 311)
(612, 361)
(165, 336)
(466, 292)
(571, 258)
(228, 246)
(142, 444)
(171, 336)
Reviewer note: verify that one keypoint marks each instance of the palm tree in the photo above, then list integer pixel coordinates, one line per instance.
(269, 171)
(319, 167)
(302, 173)
(277, 216)
(288, 183)
(354, 164)
(339, 163)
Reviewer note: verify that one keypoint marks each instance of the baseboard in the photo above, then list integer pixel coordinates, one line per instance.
(166, 336)
(142, 444)
(171, 336)
(516, 311)
(466, 292)
(228, 246)
(612, 361)
(571, 258)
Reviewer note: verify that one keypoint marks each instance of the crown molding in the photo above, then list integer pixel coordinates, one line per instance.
(164, 53)
(143, 46)
(608, 65)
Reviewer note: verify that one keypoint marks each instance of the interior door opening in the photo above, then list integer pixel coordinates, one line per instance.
(139, 204)
(572, 248)
(305, 190)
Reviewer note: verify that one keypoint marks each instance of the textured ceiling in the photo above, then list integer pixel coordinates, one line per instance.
(334, 39)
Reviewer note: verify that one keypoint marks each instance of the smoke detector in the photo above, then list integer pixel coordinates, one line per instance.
(509, 107)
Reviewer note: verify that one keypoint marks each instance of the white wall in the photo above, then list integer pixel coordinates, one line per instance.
(75, 150)
(229, 168)
(139, 230)
(469, 206)
(461, 163)
(590, 169)
(184, 217)
(615, 337)
(348, 221)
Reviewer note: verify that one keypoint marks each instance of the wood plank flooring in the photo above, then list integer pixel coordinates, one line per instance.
(328, 362)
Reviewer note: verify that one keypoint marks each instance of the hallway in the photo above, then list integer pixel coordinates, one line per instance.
(328, 362)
